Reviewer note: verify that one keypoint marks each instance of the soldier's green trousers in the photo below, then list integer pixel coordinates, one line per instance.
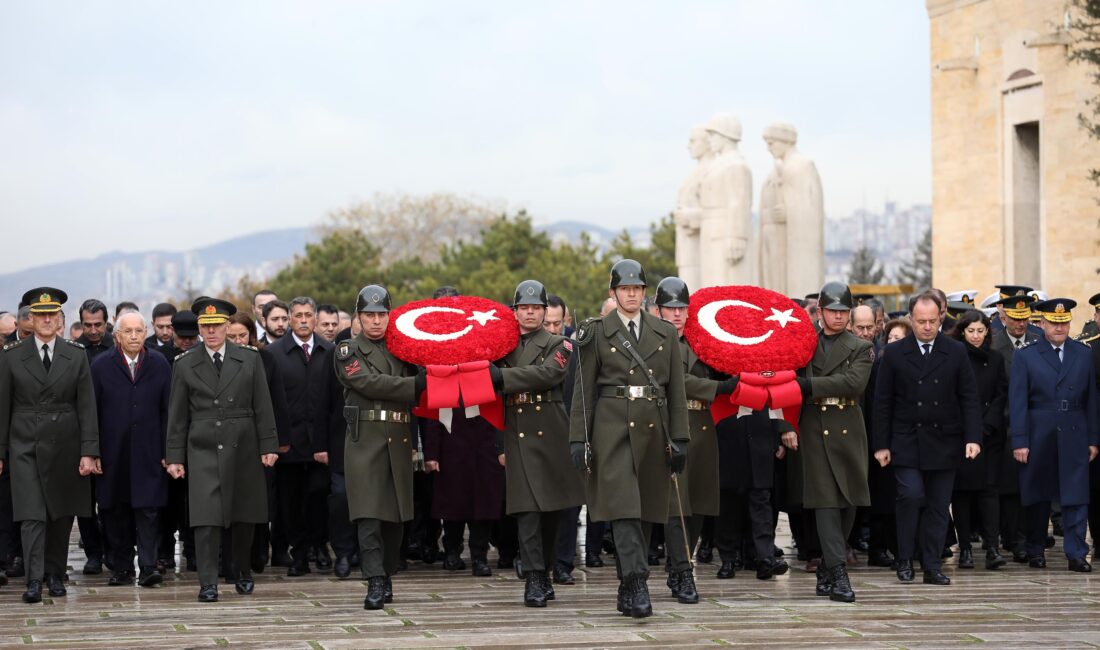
(679, 558)
(379, 546)
(538, 536)
(45, 546)
(208, 546)
(631, 547)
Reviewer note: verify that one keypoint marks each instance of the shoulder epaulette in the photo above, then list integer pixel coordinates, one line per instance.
(586, 332)
(1090, 339)
(249, 347)
(182, 355)
(1084, 343)
(14, 344)
(74, 343)
(1028, 345)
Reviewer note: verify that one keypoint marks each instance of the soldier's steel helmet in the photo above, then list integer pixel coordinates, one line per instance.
(373, 297)
(626, 273)
(529, 292)
(672, 292)
(836, 296)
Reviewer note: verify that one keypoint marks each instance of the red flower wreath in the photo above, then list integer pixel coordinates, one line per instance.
(749, 329)
(450, 331)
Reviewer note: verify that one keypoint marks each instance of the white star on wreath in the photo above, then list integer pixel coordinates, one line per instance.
(782, 317)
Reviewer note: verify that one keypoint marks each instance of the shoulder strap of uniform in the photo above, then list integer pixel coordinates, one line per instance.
(586, 333)
(74, 343)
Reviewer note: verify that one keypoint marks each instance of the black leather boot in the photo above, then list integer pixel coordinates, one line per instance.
(673, 583)
(994, 560)
(688, 594)
(640, 605)
(387, 589)
(623, 600)
(547, 585)
(966, 558)
(376, 593)
(824, 581)
(533, 595)
(842, 588)
(726, 571)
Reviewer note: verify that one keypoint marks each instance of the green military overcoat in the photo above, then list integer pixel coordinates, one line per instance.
(832, 443)
(540, 476)
(699, 485)
(378, 460)
(47, 423)
(629, 476)
(218, 427)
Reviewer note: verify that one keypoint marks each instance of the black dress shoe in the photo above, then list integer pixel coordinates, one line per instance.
(1079, 565)
(16, 570)
(1037, 562)
(481, 568)
(533, 595)
(453, 562)
(593, 561)
(33, 594)
(905, 570)
(994, 560)
(563, 577)
(429, 554)
(861, 545)
(245, 585)
(705, 554)
(726, 571)
(323, 561)
(966, 558)
(387, 589)
(163, 565)
(342, 567)
(880, 558)
(936, 577)
(93, 567)
(149, 577)
(208, 594)
(376, 593)
(769, 566)
(119, 578)
(298, 569)
(1019, 556)
(841, 590)
(688, 593)
(55, 586)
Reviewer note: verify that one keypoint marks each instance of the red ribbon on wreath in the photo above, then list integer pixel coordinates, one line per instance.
(778, 392)
(466, 385)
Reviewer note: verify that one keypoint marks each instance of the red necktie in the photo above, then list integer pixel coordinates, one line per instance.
(305, 351)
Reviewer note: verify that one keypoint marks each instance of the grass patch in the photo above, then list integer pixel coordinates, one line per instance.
(179, 627)
(30, 622)
(221, 642)
(852, 633)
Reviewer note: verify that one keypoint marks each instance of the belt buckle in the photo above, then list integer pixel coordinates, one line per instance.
(370, 414)
(382, 415)
(636, 391)
(1065, 405)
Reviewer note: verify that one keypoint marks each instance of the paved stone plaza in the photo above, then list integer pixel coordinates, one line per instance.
(1013, 607)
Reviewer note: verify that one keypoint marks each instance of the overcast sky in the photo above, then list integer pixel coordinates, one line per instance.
(138, 125)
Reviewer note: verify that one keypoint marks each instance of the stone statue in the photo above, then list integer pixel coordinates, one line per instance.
(792, 218)
(688, 214)
(725, 195)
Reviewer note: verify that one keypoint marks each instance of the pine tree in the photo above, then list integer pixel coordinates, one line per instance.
(918, 270)
(865, 268)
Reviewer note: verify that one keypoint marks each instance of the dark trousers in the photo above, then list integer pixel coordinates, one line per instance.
(735, 507)
(423, 530)
(479, 537)
(10, 544)
(297, 485)
(91, 532)
(538, 534)
(834, 525)
(124, 527)
(505, 536)
(1012, 523)
(45, 547)
(567, 537)
(173, 517)
(884, 533)
(679, 558)
(983, 505)
(631, 547)
(208, 543)
(379, 546)
(1036, 518)
(342, 533)
(922, 502)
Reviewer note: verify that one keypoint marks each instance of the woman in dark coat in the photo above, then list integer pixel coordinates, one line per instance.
(976, 480)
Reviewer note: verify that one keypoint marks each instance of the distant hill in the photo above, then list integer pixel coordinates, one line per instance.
(149, 277)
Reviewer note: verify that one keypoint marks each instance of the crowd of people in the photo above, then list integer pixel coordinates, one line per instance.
(232, 443)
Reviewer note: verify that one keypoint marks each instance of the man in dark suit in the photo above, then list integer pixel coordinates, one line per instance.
(1055, 424)
(131, 387)
(161, 335)
(96, 340)
(303, 360)
(926, 410)
(1093, 340)
(50, 438)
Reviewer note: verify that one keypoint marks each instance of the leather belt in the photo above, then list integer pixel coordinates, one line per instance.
(222, 414)
(835, 401)
(531, 398)
(382, 415)
(628, 392)
(697, 405)
(1063, 405)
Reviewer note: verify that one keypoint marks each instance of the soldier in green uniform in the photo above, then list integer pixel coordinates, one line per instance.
(50, 434)
(833, 437)
(378, 453)
(699, 486)
(221, 435)
(629, 425)
(540, 482)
